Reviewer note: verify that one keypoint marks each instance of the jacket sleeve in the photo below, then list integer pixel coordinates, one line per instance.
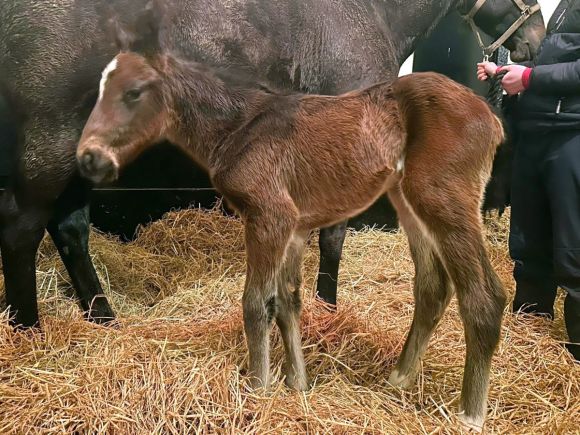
(556, 79)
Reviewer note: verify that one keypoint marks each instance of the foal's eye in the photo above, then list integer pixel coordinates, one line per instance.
(133, 95)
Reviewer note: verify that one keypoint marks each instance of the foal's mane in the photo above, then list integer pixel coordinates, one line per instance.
(242, 78)
(234, 77)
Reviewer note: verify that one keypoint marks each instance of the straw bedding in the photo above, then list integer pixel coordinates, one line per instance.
(176, 362)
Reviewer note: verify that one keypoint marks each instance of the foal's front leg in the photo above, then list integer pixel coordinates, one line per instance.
(267, 235)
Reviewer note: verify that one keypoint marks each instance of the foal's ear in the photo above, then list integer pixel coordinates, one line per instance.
(140, 31)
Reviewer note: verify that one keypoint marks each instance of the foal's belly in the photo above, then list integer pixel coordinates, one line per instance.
(348, 158)
(341, 198)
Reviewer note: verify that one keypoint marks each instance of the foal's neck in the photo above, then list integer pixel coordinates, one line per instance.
(205, 110)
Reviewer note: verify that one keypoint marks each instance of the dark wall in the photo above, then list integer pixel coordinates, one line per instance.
(162, 179)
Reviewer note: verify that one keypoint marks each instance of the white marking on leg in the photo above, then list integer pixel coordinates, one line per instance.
(473, 423)
(105, 76)
(404, 382)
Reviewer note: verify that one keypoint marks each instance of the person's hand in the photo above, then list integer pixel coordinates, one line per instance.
(485, 70)
(513, 82)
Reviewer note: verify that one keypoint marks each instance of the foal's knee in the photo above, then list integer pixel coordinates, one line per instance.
(482, 318)
(258, 311)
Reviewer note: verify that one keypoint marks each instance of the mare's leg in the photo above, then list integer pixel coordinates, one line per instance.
(288, 314)
(431, 289)
(330, 242)
(22, 224)
(69, 229)
(45, 165)
(451, 212)
(268, 231)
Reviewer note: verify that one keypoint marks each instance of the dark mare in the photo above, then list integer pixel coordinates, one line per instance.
(52, 55)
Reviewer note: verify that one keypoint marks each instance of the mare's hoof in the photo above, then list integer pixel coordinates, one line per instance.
(24, 323)
(101, 312)
(328, 303)
(399, 380)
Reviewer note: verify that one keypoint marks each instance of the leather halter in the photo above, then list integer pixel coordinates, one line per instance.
(526, 12)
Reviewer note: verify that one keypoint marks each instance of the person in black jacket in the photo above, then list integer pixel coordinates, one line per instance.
(545, 214)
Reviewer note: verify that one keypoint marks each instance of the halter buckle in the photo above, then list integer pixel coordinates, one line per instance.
(526, 11)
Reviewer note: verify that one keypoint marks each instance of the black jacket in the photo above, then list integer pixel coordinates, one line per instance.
(552, 100)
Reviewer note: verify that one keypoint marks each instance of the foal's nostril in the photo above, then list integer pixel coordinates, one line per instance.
(96, 166)
(87, 162)
(87, 158)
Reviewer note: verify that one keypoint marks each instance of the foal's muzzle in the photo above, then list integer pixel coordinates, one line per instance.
(97, 166)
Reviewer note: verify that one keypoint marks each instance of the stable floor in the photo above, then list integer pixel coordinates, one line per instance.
(176, 362)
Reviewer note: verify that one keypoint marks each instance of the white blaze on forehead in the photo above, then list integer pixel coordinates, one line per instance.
(105, 76)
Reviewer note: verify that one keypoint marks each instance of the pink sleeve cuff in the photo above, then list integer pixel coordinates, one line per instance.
(526, 77)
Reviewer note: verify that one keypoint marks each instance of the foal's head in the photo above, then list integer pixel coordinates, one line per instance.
(130, 112)
(129, 115)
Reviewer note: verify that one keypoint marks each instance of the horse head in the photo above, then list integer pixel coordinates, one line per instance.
(517, 24)
(130, 113)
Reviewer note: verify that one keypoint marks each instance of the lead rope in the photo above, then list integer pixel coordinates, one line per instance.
(494, 97)
(495, 92)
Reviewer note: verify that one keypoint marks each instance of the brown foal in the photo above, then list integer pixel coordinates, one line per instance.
(292, 163)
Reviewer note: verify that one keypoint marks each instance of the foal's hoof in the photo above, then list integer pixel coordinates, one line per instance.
(25, 325)
(298, 384)
(405, 382)
(105, 319)
(474, 424)
(257, 385)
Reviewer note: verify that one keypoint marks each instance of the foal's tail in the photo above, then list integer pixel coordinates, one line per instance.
(497, 131)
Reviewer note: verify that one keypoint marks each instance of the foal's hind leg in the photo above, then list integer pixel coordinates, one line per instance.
(268, 231)
(69, 229)
(288, 314)
(432, 292)
(451, 213)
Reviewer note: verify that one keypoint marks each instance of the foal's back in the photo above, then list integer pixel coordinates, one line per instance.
(333, 156)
